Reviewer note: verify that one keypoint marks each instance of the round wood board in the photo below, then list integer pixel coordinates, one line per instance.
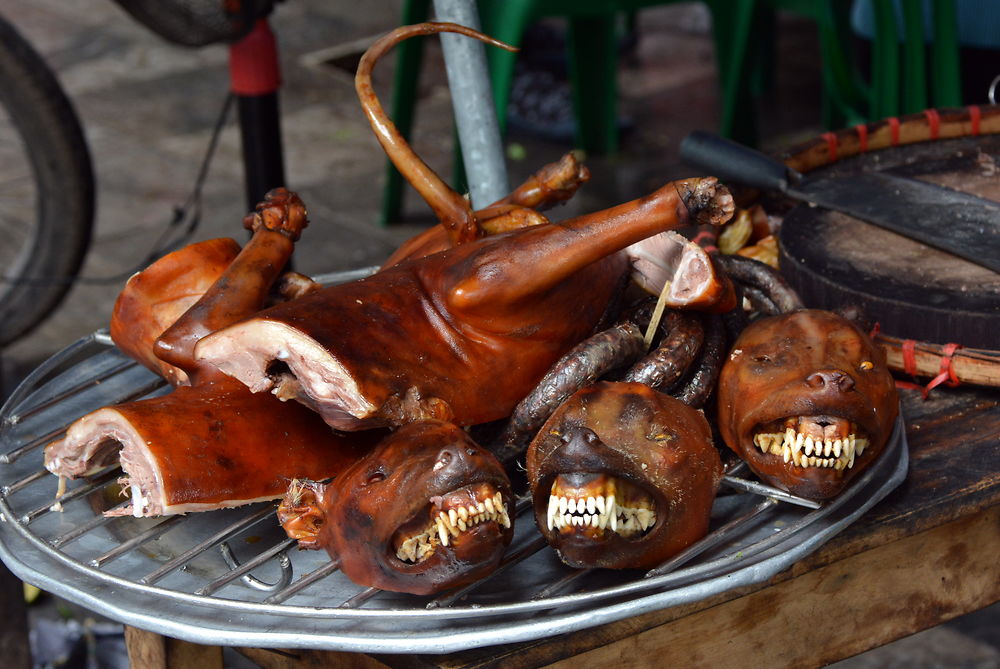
(913, 291)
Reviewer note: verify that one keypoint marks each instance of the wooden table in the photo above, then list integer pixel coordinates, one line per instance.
(926, 554)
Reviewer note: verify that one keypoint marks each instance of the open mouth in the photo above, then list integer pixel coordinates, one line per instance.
(813, 441)
(597, 504)
(448, 519)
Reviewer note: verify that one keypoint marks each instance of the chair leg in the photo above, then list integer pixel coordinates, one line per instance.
(885, 62)
(914, 69)
(593, 68)
(946, 82)
(733, 27)
(409, 56)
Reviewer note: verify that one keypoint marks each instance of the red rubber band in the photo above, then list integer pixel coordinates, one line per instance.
(894, 130)
(862, 131)
(831, 145)
(946, 373)
(974, 115)
(933, 122)
(909, 360)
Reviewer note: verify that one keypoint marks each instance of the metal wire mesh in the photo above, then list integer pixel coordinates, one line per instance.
(231, 576)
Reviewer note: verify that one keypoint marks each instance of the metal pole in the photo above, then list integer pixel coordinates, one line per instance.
(472, 100)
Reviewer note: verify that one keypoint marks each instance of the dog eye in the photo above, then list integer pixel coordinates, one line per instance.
(375, 477)
(866, 365)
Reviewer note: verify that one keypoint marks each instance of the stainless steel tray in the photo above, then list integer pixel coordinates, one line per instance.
(231, 577)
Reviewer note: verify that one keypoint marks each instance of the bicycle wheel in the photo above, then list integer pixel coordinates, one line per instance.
(46, 188)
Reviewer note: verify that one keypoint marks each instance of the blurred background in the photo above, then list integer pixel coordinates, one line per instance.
(148, 108)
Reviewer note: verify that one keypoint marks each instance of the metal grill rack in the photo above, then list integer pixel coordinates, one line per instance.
(232, 577)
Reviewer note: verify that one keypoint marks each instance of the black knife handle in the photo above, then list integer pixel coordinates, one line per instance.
(731, 161)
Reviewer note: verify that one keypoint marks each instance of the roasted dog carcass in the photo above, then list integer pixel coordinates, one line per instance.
(426, 510)
(210, 444)
(806, 399)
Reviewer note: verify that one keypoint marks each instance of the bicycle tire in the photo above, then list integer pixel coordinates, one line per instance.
(60, 164)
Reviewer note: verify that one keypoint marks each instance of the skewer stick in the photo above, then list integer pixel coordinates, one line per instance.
(654, 320)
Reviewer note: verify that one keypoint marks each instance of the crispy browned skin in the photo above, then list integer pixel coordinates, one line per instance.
(648, 449)
(156, 297)
(443, 327)
(810, 364)
(364, 517)
(551, 185)
(215, 443)
(427, 335)
(242, 288)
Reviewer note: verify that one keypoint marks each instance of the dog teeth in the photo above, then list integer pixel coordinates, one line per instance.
(448, 525)
(806, 451)
(597, 512)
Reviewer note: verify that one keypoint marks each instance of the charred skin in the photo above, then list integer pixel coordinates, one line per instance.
(381, 519)
(653, 451)
(817, 374)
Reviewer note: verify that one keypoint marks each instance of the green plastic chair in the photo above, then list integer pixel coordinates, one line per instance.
(743, 36)
(898, 81)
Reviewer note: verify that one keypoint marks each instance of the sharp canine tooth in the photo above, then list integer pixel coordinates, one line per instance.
(796, 447)
(591, 504)
(789, 435)
(452, 516)
(442, 533)
(600, 503)
(786, 454)
(799, 439)
(553, 507)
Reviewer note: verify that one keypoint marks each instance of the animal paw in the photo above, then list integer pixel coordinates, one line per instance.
(707, 201)
(281, 211)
